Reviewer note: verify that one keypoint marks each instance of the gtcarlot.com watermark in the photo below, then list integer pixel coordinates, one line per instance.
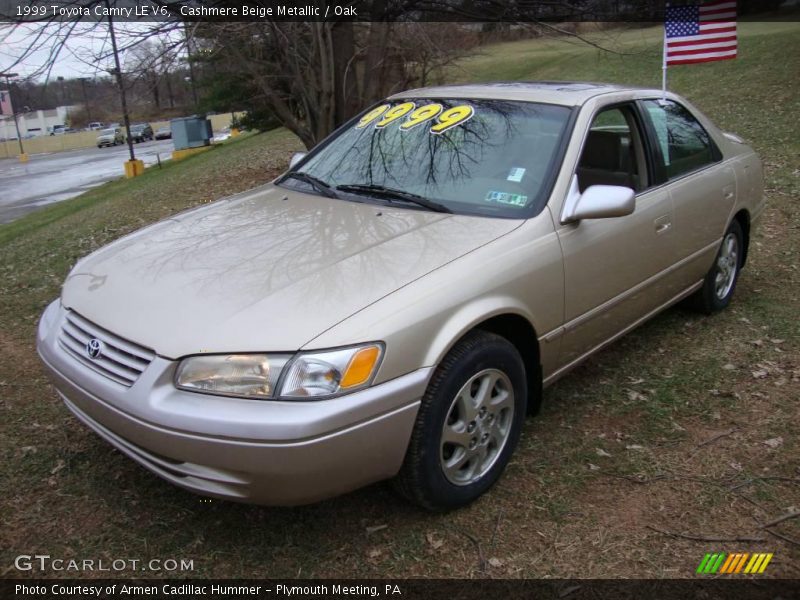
(45, 562)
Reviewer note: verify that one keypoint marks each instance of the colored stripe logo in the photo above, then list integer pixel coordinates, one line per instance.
(734, 563)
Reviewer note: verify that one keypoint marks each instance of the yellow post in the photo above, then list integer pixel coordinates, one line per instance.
(23, 157)
(133, 168)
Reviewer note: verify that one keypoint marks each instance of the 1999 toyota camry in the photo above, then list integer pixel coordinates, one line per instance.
(393, 305)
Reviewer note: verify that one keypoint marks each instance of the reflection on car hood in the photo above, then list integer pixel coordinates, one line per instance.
(267, 270)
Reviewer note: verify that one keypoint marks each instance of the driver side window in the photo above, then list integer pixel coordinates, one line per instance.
(612, 153)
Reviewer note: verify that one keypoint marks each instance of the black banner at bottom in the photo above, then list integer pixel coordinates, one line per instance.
(427, 589)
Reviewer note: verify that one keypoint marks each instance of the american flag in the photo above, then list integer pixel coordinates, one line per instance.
(700, 32)
(5, 103)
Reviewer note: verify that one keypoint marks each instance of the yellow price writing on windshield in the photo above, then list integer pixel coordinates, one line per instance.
(385, 114)
(395, 113)
(452, 117)
(372, 115)
(422, 114)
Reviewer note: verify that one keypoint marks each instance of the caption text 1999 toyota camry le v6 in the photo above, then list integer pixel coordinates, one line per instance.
(393, 305)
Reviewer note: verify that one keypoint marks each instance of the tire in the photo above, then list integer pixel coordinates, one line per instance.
(442, 475)
(720, 281)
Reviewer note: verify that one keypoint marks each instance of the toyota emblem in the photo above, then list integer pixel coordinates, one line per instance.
(94, 348)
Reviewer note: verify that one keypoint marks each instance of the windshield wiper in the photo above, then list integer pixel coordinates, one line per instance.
(319, 185)
(380, 191)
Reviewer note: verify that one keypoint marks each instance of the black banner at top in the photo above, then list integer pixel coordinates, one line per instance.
(477, 11)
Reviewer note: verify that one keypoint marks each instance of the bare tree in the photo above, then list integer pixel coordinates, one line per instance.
(314, 75)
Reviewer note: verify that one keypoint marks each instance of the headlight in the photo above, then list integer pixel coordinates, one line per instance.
(307, 375)
(247, 375)
(331, 373)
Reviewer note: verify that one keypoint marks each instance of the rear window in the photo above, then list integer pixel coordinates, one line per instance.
(685, 145)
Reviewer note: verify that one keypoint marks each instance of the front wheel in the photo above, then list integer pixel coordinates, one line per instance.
(720, 282)
(468, 425)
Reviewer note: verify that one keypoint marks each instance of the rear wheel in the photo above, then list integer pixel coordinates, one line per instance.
(720, 282)
(468, 424)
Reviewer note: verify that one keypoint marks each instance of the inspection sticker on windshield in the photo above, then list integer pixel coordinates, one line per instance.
(506, 198)
(516, 174)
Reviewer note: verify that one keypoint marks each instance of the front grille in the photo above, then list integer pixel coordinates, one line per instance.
(120, 360)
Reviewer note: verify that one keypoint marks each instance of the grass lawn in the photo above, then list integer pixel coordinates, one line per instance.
(687, 426)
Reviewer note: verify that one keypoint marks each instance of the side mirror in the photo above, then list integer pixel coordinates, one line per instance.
(296, 158)
(600, 202)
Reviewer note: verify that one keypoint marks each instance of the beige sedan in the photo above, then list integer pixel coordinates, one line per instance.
(393, 305)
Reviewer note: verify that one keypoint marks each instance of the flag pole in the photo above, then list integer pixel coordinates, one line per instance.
(664, 67)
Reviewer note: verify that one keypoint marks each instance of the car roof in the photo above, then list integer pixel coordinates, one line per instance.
(566, 93)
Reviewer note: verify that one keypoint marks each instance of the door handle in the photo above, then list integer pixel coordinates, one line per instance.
(663, 224)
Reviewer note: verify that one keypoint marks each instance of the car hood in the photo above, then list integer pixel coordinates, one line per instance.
(268, 270)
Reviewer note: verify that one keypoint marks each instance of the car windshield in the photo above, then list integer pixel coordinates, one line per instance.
(478, 156)
(107, 132)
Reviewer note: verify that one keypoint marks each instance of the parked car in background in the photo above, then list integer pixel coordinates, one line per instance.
(110, 137)
(164, 133)
(95, 126)
(58, 129)
(141, 132)
(394, 304)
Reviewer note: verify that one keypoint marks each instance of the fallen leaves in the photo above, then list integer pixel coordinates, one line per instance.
(434, 541)
(635, 396)
(773, 442)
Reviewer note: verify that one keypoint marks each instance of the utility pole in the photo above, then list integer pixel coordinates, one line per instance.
(133, 167)
(86, 100)
(117, 71)
(22, 156)
(190, 61)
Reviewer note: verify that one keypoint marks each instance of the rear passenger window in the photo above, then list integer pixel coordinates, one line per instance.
(685, 145)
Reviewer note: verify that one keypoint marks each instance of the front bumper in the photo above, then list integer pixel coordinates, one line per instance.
(265, 452)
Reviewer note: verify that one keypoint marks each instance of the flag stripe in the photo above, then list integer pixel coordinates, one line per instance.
(683, 44)
(706, 49)
(719, 4)
(716, 15)
(691, 61)
(728, 27)
(699, 39)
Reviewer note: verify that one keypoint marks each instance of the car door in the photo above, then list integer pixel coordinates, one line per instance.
(701, 185)
(613, 266)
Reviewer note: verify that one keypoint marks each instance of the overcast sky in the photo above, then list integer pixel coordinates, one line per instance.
(84, 47)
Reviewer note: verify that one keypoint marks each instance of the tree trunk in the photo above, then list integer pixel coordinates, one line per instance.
(345, 76)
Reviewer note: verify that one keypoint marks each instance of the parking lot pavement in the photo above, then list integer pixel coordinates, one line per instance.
(49, 178)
